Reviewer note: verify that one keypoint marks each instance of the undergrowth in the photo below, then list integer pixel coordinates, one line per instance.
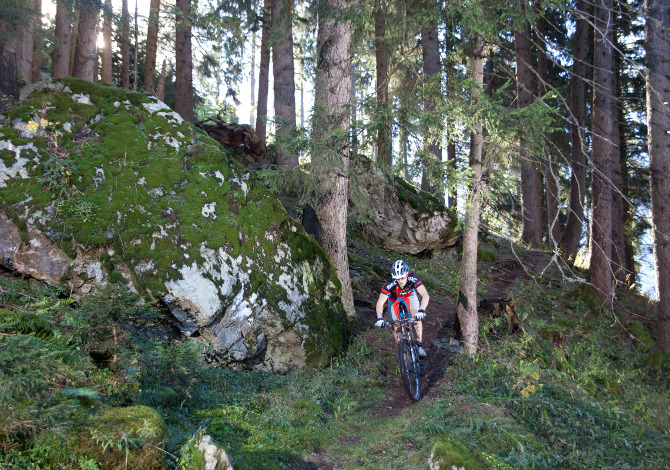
(574, 391)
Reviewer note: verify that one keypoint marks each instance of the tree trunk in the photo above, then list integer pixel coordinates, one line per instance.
(85, 51)
(657, 39)
(183, 83)
(432, 177)
(466, 308)
(106, 72)
(284, 79)
(152, 45)
(573, 229)
(125, 46)
(531, 233)
(552, 198)
(160, 90)
(9, 88)
(24, 43)
(603, 152)
(60, 63)
(75, 34)
(384, 142)
(36, 72)
(621, 277)
(331, 152)
(264, 71)
(253, 78)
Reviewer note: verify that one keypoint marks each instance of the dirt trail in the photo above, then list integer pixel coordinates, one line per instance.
(439, 323)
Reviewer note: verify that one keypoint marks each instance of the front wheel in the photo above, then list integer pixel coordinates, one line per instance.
(409, 369)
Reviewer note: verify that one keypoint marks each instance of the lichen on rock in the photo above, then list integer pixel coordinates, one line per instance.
(128, 192)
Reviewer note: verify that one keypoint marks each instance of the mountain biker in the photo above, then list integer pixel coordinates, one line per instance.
(403, 287)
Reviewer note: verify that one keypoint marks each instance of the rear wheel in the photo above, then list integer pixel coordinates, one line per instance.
(409, 369)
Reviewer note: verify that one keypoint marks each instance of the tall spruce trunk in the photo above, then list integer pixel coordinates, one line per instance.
(36, 62)
(573, 229)
(657, 42)
(384, 142)
(551, 185)
(284, 79)
(85, 52)
(160, 89)
(600, 268)
(264, 71)
(183, 83)
(125, 46)
(432, 176)
(60, 62)
(466, 308)
(530, 233)
(331, 149)
(152, 45)
(618, 164)
(106, 72)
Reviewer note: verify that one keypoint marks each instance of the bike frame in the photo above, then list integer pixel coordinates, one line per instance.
(408, 352)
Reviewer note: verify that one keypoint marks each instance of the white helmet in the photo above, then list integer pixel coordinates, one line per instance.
(399, 269)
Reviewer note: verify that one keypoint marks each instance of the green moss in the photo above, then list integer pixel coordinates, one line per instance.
(587, 295)
(136, 431)
(644, 339)
(486, 256)
(448, 454)
(660, 359)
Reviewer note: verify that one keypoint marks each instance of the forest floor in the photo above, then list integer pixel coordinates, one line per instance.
(438, 325)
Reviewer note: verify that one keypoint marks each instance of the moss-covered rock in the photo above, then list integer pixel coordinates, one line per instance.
(448, 454)
(398, 216)
(644, 339)
(123, 190)
(120, 438)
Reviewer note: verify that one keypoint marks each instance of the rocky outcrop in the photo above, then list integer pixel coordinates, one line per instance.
(399, 217)
(215, 458)
(101, 185)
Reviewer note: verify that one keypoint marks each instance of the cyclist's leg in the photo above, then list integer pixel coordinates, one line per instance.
(393, 315)
(413, 308)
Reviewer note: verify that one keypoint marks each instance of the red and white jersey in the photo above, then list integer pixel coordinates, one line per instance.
(391, 287)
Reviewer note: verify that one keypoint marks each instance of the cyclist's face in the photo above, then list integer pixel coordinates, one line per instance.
(402, 281)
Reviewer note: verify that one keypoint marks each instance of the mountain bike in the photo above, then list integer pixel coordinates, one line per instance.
(408, 352)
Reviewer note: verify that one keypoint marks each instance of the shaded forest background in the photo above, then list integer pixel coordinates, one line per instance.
(546, 122)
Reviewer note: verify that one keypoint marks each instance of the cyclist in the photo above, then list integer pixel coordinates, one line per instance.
(403, 287)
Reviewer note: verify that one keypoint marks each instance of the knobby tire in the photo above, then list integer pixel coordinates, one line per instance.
(409, 369)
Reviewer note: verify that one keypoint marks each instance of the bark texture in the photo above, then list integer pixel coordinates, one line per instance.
(264, 71)
(284, 79)
(152, 45)
(160, 90)
(60, 64)
(432, 177)
(106, 71)
(85, 51)
(603, 153)
(657, 44)
(530, 233)
(183, 84)
(36, 72)
(574, 226)
(331, 153)
(384, 143)
(125, 46)
(466, 308)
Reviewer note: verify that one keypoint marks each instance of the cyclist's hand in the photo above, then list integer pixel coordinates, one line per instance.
(420, 314)
(381, 323)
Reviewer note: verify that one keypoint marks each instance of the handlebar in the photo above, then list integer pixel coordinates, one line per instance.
(400, 322)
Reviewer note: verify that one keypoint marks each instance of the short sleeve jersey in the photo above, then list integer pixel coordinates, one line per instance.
(392, 288)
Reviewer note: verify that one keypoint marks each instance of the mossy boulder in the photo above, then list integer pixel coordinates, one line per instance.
(100, 185)
(448, 454)
(397, 216)
(119, 438)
